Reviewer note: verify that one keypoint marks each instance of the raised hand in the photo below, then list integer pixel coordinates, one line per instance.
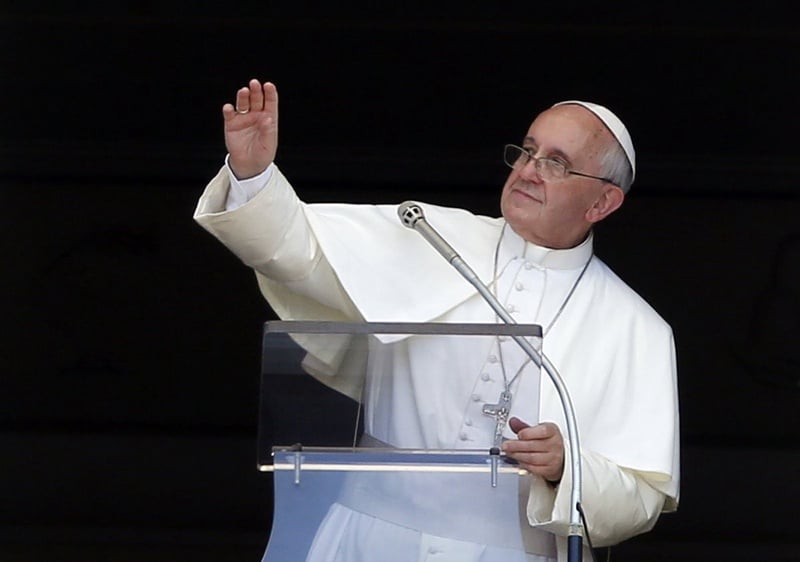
(251, 128)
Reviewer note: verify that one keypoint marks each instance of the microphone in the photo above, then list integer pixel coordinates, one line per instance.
(413, 217)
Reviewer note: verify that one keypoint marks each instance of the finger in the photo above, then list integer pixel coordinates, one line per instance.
(538, 460)
(530, 440)
(271, 100)
(540, 431)
(550, 467)
(228, 111)
(243, 100)
(525, 446)
(256, 95)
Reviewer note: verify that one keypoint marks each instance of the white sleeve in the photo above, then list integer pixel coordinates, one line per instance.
(269, 233)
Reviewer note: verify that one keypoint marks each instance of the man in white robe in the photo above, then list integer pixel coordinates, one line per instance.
(616, 355)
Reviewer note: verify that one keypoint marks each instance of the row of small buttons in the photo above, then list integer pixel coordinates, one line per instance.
(487, 383)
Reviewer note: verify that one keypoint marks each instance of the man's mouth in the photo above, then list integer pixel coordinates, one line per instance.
(526, 189)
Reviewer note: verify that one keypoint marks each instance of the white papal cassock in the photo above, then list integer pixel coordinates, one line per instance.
(615, 354)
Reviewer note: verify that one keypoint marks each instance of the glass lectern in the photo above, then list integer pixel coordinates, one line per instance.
(352, 429)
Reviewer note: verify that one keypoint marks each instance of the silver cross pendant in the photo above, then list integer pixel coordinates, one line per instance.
(500, 413)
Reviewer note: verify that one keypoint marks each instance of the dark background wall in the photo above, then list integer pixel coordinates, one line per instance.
(130, 357)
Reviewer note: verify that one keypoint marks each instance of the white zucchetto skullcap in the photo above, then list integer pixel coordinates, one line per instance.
(614, 125)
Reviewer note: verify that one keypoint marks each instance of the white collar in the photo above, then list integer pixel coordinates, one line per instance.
(514, 246)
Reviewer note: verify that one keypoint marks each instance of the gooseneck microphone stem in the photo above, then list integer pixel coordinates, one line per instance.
(411, 215)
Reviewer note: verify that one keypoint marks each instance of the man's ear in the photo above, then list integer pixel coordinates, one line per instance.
(610, 200)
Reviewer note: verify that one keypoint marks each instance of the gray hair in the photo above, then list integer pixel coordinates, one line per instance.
(614, 164)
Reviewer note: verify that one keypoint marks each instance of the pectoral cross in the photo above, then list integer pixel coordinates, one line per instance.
(500, 413)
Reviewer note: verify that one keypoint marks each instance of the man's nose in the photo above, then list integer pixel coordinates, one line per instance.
(530, 171)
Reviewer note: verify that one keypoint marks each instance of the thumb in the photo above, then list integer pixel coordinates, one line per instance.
(517, 424)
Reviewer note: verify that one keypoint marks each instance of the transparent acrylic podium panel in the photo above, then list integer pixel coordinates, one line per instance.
(331, 482)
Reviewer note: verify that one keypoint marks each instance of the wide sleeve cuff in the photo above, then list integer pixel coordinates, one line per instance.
(618, 503)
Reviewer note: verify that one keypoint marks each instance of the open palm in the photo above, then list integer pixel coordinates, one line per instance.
(251, 128)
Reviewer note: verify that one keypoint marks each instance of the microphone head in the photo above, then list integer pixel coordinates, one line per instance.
(410, 213)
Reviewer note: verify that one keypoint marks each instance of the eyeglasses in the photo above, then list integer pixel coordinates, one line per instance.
(548, 169)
